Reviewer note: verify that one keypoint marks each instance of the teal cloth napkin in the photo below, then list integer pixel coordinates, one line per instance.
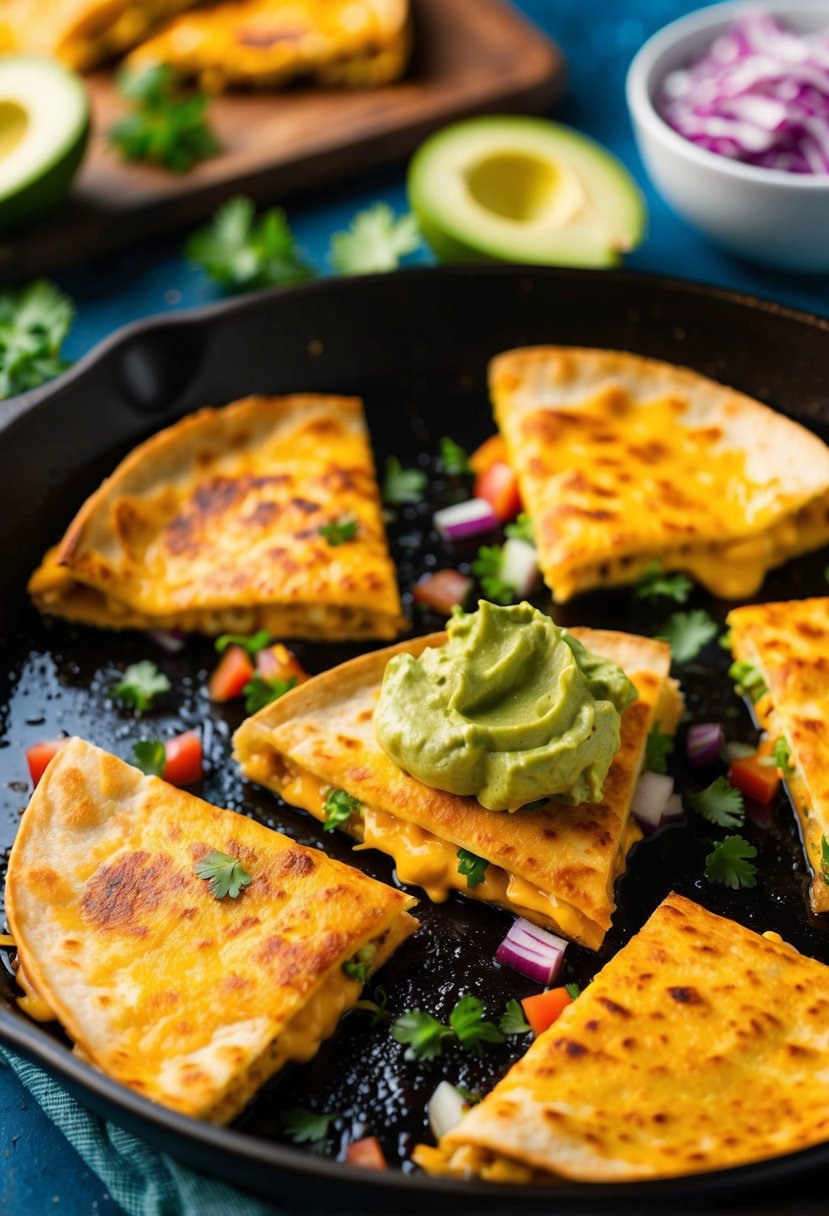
(143, 1181)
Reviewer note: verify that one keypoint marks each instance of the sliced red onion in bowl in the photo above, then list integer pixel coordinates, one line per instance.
(171, 640)
(650, 799)
(465, 519)
(532, 952)
(519, 567)
(704, 743)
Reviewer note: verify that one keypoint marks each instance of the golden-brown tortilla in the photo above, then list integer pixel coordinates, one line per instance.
(267, 43)
(555, 865)
(700, 1045)
(623, 461)
(189, 1000)
(789, 644)
(213, 526)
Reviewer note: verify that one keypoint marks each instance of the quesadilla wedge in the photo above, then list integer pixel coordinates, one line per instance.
(191, 999)
(555, 865)
(269, 43)
(700, 1045)
(788, 644)
(82, 33)
(264, 514)
(623, 461)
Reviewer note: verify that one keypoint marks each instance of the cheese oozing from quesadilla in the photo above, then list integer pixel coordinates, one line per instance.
(82, 33)
(788, 644)
(268, 43)
(264, 514)
(191, 1000)
(623, 461)
(700, 1045)
(555, 865)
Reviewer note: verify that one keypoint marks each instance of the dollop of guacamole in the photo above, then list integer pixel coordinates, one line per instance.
(511, 709)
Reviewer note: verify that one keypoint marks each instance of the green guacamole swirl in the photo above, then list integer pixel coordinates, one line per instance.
(511, 709)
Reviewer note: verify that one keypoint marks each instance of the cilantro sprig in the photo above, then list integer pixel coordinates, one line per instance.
(150, 755)
(488, 567)
(252, 643)
(262, 690)
(402, 485)
(658, 748)
(687, 633)
(521, 529)
(424, 1036)
(453, 460)
(719, 803)
(513, 1021)
(34, 320)
(339, 531)
(358, 967)
(226, 875)
(472, 867)
(375, 241)
(729, 863)
(168, 126)
(656, 584)
(243, 253)
(305, 1126)
(140, 684)
(339, 806)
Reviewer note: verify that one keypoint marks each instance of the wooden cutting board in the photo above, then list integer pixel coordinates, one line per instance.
(471, 57)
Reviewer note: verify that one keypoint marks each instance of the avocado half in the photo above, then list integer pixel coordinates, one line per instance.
(524, 190)
(44, 128)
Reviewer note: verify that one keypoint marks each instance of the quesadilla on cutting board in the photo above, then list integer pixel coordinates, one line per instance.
(555, 865)
(262, 515)
(623, 461)
(187, 995)
(700, 1045)
(788, 645)
(268, 43)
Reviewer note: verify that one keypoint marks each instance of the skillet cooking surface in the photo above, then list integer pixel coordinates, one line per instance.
(415, 347)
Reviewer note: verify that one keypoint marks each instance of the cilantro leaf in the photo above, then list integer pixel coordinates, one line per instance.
(375, 241)
(34, 320)
(748, 680)
(262, 690)
(487, 567)
(252, 643)
(658, 748)
(225, 874)
(453, 460)
(656, 584)
(339, 806)
(824, 859)
(150, 755)
(719, 803)
(306, 1127)
(472, 866)
(339, 530)
(424, 1035)
(728, 864)
(783, 756)
(168, 127)
(513, 1020)
(573, 991)
(241, 254)
(358, 967)
(140, 685)
(467, 1021)
(687, 633)
(521, 529)
(402, 485)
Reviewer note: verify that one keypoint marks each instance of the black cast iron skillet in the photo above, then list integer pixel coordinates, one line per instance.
(415, 346)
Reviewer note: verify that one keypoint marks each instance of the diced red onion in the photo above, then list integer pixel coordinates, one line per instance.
(650, 799)
(445, 1109)
(704, 743)
(171, 640)
(464, 519)
(759, 94)
(532, 952)
(519, 567)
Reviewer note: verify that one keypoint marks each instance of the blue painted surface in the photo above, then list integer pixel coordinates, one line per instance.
(39, 1172)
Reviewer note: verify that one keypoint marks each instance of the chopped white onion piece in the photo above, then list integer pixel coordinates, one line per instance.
(445, 1109)
(651, 797)
(519, 566)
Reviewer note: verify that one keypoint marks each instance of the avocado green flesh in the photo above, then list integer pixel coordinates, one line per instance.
(44, 128)
(510, 710)
(526, 190)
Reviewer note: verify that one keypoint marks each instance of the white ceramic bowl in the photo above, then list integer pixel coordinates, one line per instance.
(766, 215)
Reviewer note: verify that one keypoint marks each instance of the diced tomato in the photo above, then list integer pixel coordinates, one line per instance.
(39, 755)
(366, 1153)
(185, 762)
(499, 486)
(492, 451)
(754, 777)
(234, 671)
(542, 1010)
(279, 663)
(443, 590)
